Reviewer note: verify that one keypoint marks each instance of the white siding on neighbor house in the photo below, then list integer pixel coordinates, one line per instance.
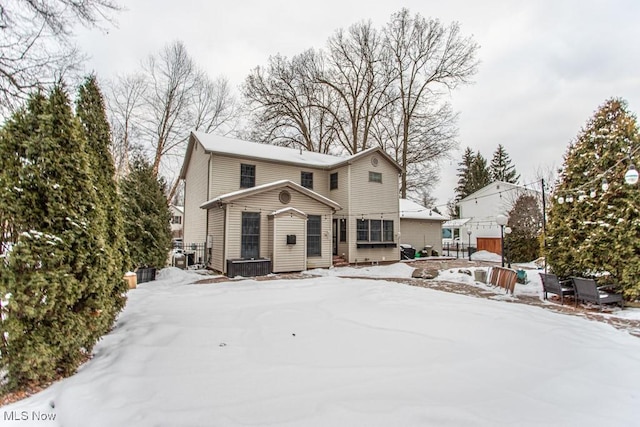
(266, 203)
(373, 200)
(420, 233)
(288, 257)
(216, 233)
(483, 206)
(226, 173)
(195, 193)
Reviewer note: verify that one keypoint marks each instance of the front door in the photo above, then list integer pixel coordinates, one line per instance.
(334, 236)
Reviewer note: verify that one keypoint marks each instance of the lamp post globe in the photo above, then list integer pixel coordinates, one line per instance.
(631, 177)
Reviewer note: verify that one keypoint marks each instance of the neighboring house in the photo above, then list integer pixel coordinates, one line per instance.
(478, 213)
(420, 227)
(251, 201)
(177, 214)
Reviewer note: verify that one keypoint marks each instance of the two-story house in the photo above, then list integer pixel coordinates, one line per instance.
(298, 209)
(177, 212)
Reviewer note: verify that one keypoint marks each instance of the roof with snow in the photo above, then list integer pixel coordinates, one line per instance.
(498, 187)
(288, 210)
(412, 210)
(235, 195)
(178, 208)
(456, 223)
(273, 153)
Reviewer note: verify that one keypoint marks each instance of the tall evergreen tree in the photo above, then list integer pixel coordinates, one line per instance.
(479, 175)
(146, 216)
(108, 293)
(54, 260)
(501, 168)
(600, 234)
(464, 174)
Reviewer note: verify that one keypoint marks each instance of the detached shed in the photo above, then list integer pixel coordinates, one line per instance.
(420, 227)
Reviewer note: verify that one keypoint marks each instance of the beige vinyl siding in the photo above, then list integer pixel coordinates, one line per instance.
(289, 257)
(373, 200)
(216, 232)
(420, 233)
(341, 196)
(195, 193)
(266, 203)
(226, 171)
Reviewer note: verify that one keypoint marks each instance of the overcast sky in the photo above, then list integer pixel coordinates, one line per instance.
(545, 65)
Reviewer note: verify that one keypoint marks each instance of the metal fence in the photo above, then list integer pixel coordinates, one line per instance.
(458, 250)
(197, 254)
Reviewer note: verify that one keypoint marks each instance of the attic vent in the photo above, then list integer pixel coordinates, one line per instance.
(374, 162)
(284, 197)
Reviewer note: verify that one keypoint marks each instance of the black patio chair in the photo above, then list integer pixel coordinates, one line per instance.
(587, 290)
(551, 284)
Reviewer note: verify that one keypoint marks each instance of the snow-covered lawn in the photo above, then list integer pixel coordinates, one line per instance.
(330, 351)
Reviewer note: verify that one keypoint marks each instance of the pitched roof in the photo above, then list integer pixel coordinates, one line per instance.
(272, 153)
(412, 210)
(497, 187)
(235, 195)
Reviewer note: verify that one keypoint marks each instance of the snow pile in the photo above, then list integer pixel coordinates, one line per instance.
(173, 276)
(455, 275)
(485, 256)
(315, 352)
(398, 270)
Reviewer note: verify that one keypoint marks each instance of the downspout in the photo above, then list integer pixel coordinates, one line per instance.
(206, 220)
(350, 227)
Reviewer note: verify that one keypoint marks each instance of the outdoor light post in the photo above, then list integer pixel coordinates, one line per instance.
(502, 221)
(507, 231)
(469, 247)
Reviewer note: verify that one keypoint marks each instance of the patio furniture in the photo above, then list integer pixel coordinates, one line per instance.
(587, 290)
(503, 277)
(551, 284)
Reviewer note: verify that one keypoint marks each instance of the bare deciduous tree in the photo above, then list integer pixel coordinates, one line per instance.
(283, 99)
(358, 77)
(427, 58)
(172, 77)
(366, 87)
(160, 106)
(35, 47)
(124, 103)
(213, 105)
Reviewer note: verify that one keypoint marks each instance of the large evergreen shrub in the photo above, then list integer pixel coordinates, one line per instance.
(592, 231)
(146, 216)
(63, 254)
(55, 262)
(525, 221)
(108, 295)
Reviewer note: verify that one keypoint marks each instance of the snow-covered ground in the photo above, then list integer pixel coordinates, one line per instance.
(332, 351)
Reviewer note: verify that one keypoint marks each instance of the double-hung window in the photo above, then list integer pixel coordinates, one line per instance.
(247, 176)
(333, 181)
(362, 230)
(306, 180)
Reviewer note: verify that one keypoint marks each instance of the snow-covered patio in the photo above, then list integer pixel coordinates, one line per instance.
(332, 351)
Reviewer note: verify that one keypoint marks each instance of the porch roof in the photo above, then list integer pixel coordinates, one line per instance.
(235, 195)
